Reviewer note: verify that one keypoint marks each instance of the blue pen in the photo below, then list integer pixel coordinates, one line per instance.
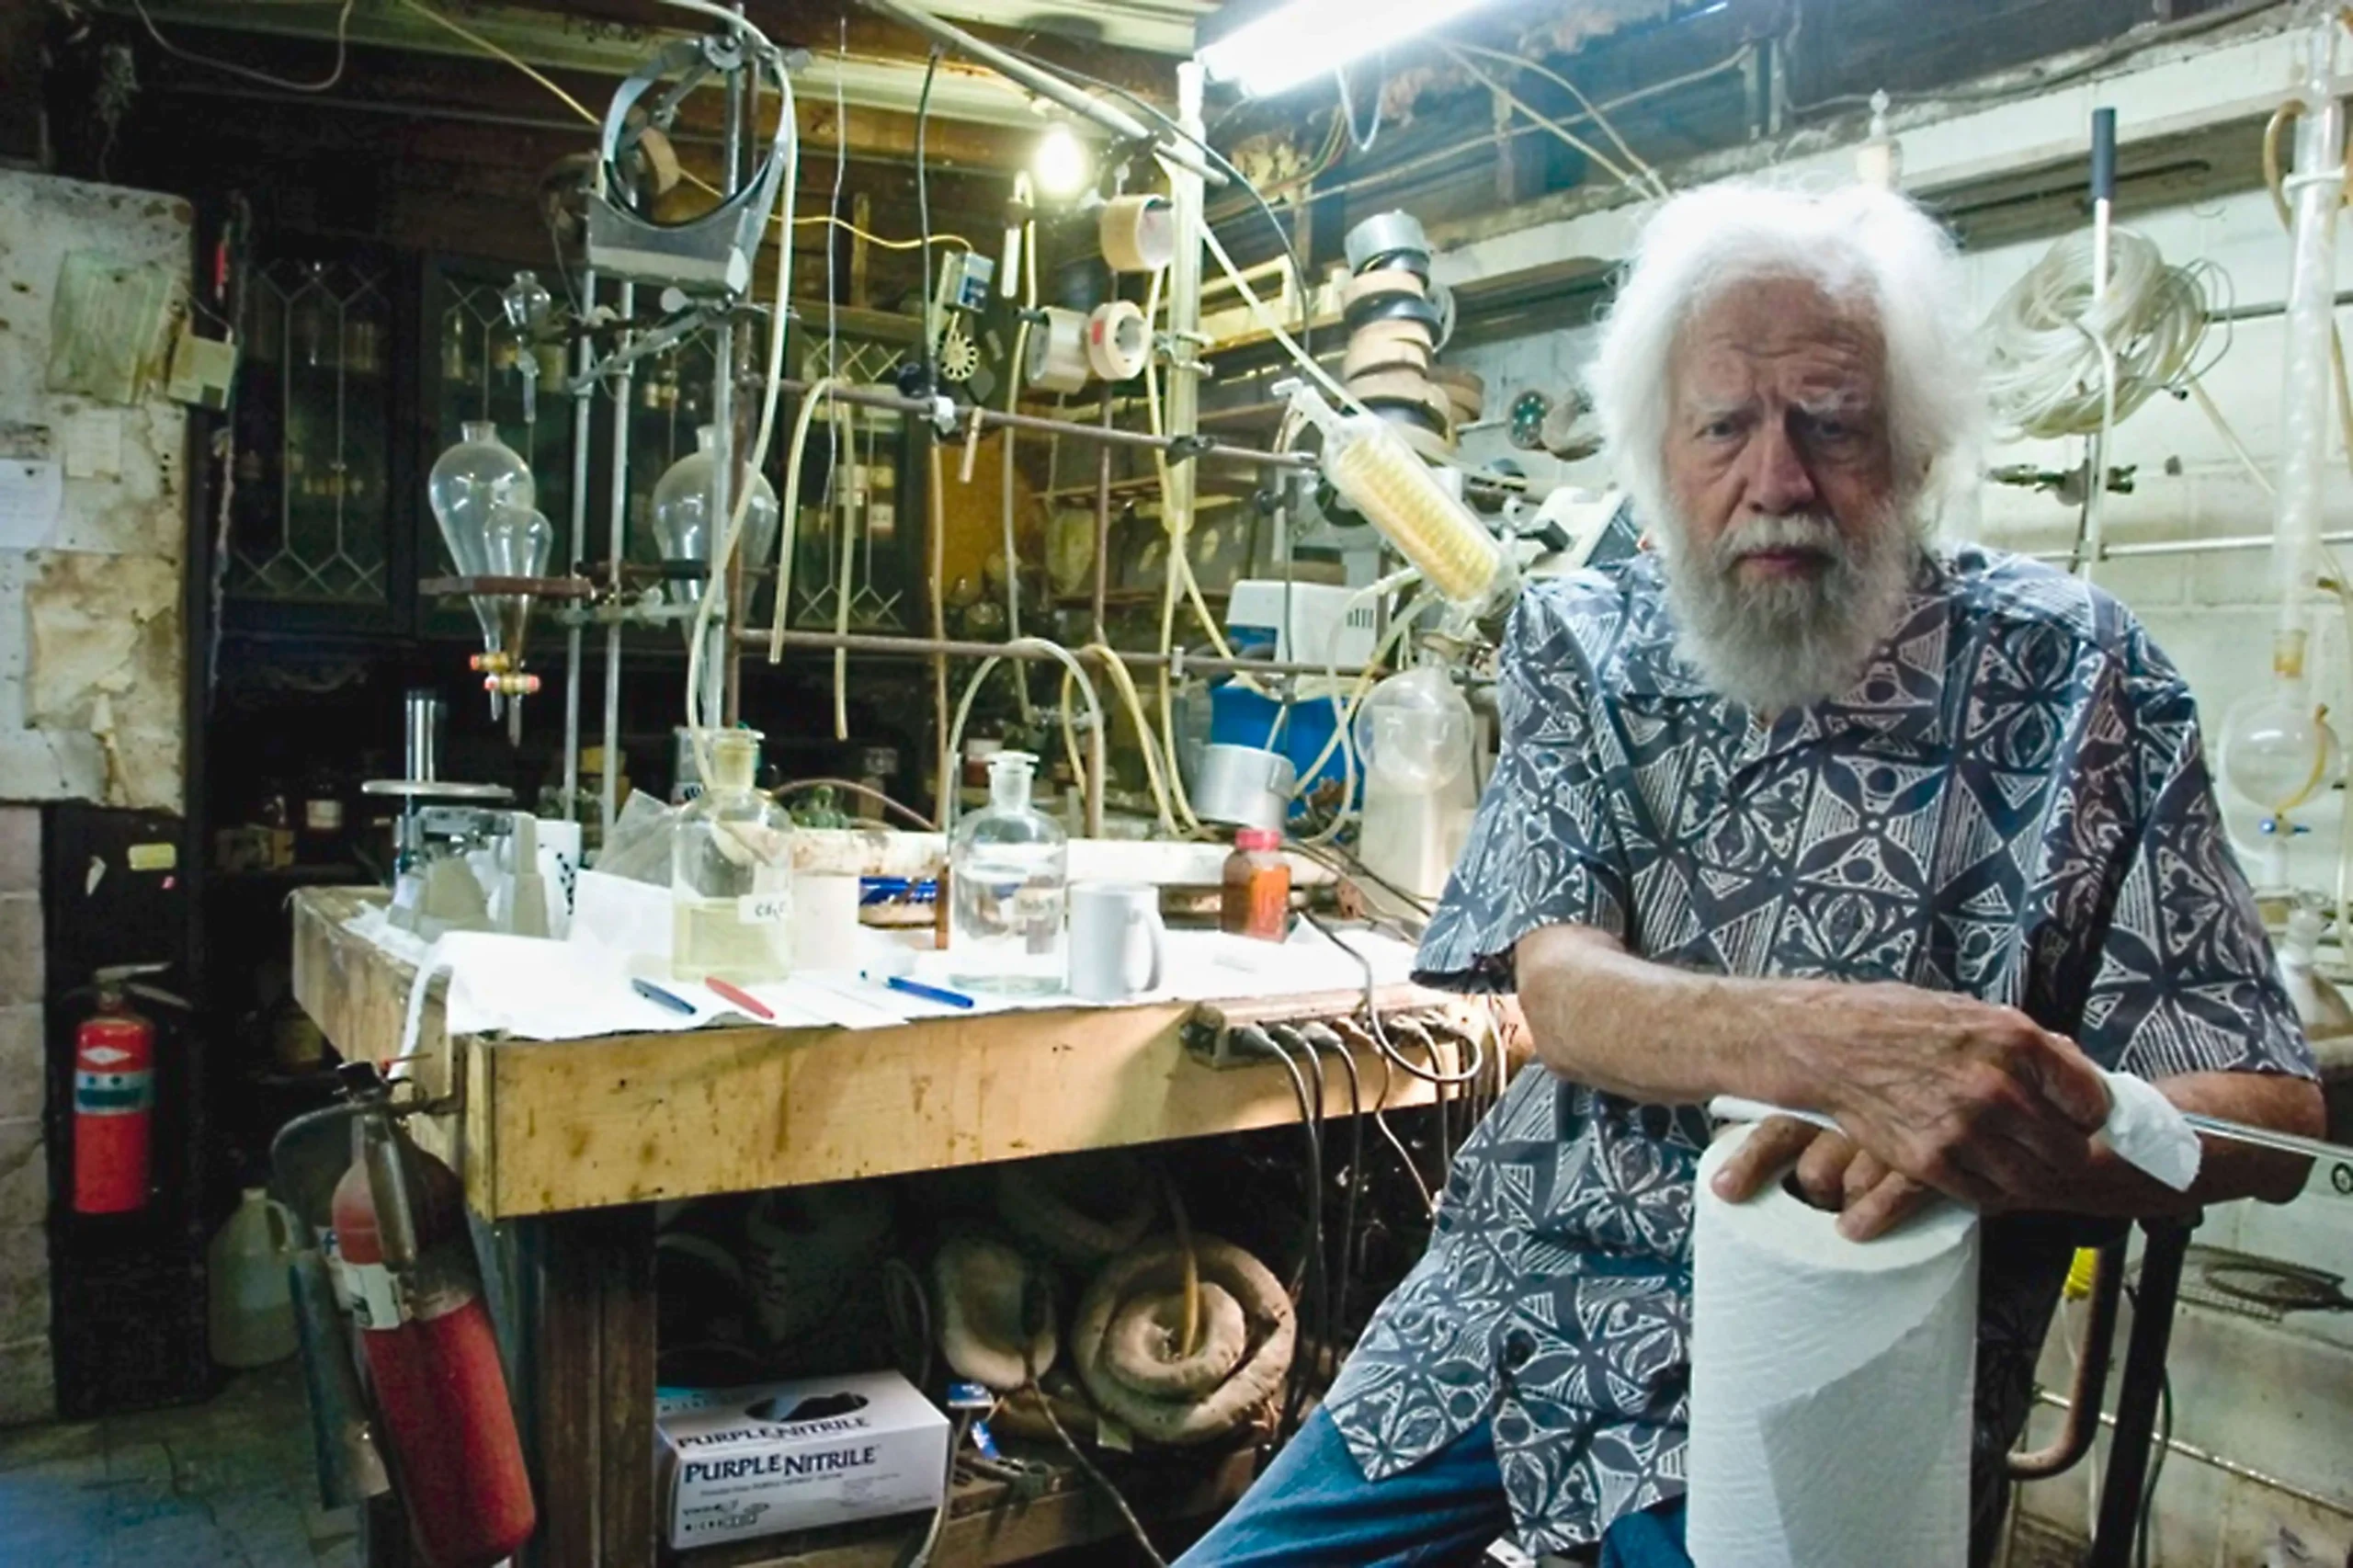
(655, 994)
(928, 992)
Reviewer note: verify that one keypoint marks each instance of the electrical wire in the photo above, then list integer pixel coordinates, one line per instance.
(1348, 114)
(342, 53)
(1314, 1036)
(508, 57)
(1608, 165)
(1127, 1515)
(1381, 1125)
(923, 216)
(1218, 161)
(1373, 1028)
(1313, 1065)
(2039, 81)
(1308, 1281)
(1584, 105)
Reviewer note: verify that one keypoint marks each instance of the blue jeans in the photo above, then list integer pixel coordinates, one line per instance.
(1315, 1509)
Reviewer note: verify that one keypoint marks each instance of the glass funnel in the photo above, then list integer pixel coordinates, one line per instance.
(519, 543)
(471, 484)
(686, 526)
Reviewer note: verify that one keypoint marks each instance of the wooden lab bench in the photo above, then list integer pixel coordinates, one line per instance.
(564, 1147)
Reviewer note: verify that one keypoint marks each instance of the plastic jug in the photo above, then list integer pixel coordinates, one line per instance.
(251, 1314)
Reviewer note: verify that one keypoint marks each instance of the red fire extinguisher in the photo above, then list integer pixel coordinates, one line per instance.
(400, 1228)
(114, 1093)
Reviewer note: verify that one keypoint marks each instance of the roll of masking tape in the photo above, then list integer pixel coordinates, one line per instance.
(1388, 353)
(1056, 360)
(1117, 340)
(1138, 233)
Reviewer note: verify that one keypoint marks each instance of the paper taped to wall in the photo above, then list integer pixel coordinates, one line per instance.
(32, 497)
(1831, 1385)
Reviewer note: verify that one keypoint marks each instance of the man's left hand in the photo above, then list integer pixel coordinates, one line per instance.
(1832, 1172)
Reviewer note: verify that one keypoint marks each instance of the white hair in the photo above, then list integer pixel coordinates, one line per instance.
(1865, 247)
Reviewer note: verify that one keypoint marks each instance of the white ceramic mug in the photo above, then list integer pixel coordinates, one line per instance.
(1118, 945)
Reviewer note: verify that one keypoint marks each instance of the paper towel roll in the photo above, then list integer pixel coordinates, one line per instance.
(1831, 1385)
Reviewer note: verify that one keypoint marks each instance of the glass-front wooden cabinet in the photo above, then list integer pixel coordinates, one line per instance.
(313, 510)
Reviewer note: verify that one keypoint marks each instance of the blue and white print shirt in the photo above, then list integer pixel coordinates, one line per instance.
(2009, 803)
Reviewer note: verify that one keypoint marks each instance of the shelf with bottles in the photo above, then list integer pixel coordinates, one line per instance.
(311, 510)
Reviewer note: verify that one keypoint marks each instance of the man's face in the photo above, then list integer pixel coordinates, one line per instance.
(1776, 412)
(1786, 543)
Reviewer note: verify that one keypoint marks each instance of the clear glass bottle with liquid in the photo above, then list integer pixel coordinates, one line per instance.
(1008, 877)
(731, 875)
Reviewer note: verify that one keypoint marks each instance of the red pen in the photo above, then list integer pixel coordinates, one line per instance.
(741, 998)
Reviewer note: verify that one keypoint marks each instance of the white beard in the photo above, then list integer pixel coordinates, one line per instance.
(1789, 643)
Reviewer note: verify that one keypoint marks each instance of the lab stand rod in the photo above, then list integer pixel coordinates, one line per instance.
(1103, 531)
(2154, 548)
(718, 671)
(1187, 204)
(958, 648)
(583, 394)
(993, 419)
(609, 796)
(1046, 84)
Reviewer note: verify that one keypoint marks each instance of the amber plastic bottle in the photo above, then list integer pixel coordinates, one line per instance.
(1257, 896)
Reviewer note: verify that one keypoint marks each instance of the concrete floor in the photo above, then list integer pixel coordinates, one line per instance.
(226, 1484)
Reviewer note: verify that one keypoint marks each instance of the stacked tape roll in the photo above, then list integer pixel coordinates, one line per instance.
(1466, 390)
(1831, 1385)
(1394, 329)
(1138, 233)
(1057, 353)
(1117, 340)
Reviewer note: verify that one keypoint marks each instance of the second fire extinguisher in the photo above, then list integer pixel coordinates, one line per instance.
(400, 1227)
(114, 1093)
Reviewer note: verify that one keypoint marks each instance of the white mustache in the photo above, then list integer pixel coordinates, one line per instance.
(1756, 535)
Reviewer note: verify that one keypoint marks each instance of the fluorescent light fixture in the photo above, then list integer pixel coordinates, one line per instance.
(1305, 39)
(1061, 163)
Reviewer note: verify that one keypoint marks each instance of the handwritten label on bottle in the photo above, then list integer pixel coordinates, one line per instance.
(764, 908)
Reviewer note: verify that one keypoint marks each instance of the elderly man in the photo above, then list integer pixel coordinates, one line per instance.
(1800, 809)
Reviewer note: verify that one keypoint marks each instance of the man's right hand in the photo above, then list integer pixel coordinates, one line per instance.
(1974, 1100)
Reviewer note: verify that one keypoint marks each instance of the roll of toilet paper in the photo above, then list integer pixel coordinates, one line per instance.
(1831, 1385)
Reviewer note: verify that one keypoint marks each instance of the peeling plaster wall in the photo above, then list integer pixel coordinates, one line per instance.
(90, 639)
(90, 660)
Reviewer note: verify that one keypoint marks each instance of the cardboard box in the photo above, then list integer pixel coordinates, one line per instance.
(742, 1463)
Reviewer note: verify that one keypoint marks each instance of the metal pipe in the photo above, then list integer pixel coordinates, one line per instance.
(2074, 1438)
(959, 648)
(2229, 1467)
(584, 392)
(1184, 200)
(2265, 1138)
(1103, 531)
(2137, 1395)
(994, 419)
(934, 485)
(711, 699)
(2186, 546)
(716, 651)
(1046, 84)
(608, 784)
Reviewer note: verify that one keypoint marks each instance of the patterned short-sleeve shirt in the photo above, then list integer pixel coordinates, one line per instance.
(2010, 802)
